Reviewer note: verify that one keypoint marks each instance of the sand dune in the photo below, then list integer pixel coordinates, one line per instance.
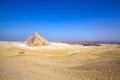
(59, 61)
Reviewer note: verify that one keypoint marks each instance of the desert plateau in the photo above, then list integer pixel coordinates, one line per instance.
(59, 39)
(59, 61)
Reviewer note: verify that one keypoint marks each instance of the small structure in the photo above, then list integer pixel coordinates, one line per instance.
(21, 52)
(36, 40)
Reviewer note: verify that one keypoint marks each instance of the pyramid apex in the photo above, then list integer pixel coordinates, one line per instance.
(35, 33)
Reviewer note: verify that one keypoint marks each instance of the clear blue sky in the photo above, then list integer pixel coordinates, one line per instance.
(60, 20)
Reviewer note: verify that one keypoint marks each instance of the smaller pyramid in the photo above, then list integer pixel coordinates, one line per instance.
(36, 40)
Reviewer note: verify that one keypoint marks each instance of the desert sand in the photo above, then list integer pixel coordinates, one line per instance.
(59, 61)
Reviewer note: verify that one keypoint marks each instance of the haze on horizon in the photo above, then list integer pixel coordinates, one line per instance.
(60, 20)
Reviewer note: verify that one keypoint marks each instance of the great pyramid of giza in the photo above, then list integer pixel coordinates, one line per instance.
(36, 40)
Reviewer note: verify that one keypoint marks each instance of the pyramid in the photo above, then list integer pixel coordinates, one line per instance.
(36, 40)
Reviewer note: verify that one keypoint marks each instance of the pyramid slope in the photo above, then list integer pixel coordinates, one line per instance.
(36, 40)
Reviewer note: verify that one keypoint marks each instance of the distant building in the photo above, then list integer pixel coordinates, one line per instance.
(36, 40)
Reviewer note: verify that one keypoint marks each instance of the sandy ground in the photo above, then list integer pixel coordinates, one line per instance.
(59, 61)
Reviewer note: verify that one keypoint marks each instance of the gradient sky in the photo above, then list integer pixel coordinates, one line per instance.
(60, 20)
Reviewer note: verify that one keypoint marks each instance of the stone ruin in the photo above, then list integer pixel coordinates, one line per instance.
(36, 40)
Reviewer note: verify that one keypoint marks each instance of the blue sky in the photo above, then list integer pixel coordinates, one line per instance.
(60, 20)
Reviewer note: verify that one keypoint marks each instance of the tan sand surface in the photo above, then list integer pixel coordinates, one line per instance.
(59, 61)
